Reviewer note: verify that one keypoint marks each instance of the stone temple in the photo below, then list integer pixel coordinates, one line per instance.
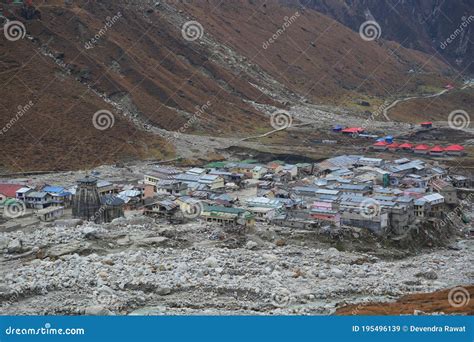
(86, 204)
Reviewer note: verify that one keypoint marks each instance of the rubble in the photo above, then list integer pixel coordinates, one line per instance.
(199, 275)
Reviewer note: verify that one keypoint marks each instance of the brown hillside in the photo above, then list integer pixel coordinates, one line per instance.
(406, 305)
(143, 63)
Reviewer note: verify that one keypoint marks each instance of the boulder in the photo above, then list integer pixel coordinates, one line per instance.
(71, 223)
(15, 246)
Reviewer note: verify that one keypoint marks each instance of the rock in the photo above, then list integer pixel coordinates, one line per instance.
(211, 262)
(15, 246)
(337, 272)
(157, 240)
(163, 291)
(430, 275)
(97, 311)
(71, 223)
(322, 275)
(251, 245)
(90, 233)
(65, 249)
(3, 242)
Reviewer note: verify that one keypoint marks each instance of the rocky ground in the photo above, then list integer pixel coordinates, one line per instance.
(135, 265)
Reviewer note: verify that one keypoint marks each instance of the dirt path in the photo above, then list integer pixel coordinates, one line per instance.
(394, 103)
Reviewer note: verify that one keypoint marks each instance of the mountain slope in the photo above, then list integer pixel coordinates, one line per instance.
(154, 81)
(423, 25)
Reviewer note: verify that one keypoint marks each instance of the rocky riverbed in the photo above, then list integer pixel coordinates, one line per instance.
(135, 265)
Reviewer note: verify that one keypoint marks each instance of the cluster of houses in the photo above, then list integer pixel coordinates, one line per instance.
(345, 191)
(433, 151)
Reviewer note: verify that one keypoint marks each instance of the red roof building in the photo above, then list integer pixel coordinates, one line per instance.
(380, 145)
(426, 124)
(406, 146)
(421, 149)
(352, 130)
(393, 146)
(454, 150)
(437, 151)
(9, 190)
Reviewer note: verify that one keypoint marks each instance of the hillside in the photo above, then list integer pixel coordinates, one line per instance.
(422, 25)
(154, 81)
(430, 303)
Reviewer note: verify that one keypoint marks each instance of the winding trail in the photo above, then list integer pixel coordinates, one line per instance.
(394, 103)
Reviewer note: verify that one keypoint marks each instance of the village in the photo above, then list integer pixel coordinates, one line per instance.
(384, 197)
(232, 237)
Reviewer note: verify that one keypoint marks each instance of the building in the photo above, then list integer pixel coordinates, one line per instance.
(426, 124)
(111, 207)
(228, 216)
(454, 150)
(160, 173)
(447, 190)
(50, 213)
(437, 151)
(21, 193)
(380, 145)
(431, 205)
(258, 171)
(59, 196)
(421, 149)
(171, 187)
(353, 130)
(86, 203)
(9, 190)
(407, 147)
(38, 199)
(164, 208)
